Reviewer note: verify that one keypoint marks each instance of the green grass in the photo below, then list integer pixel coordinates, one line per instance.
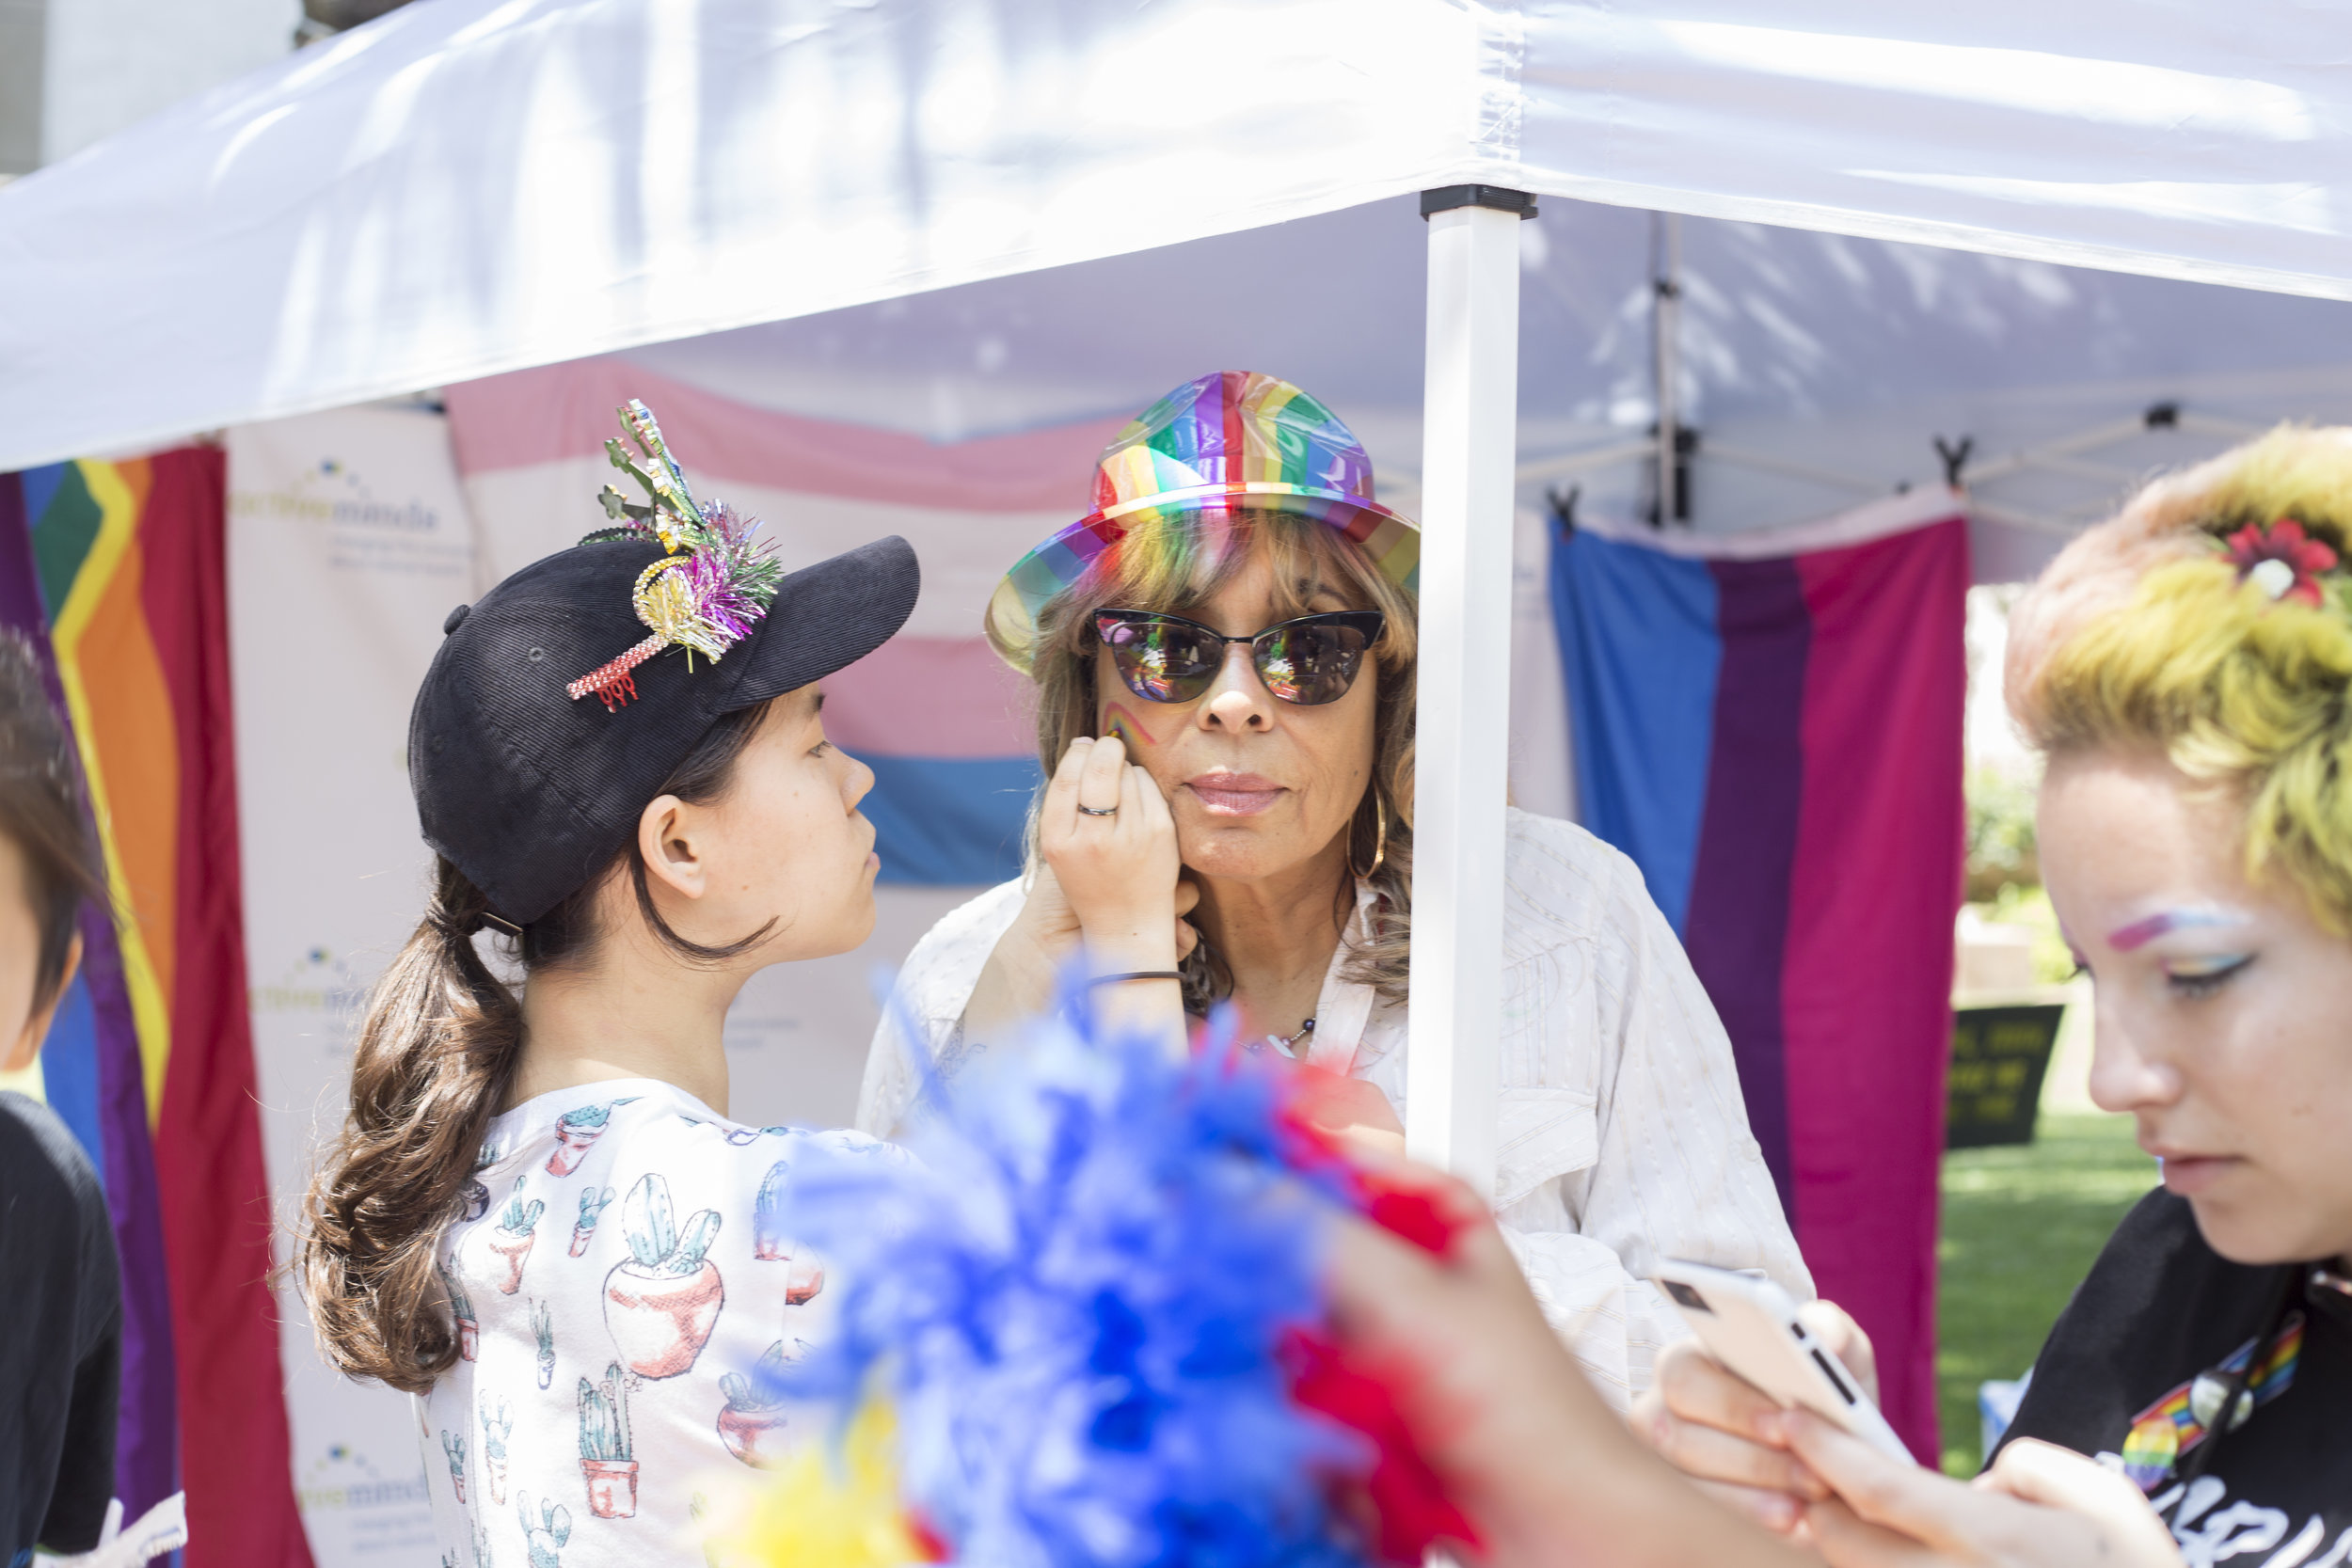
(2021, 1227)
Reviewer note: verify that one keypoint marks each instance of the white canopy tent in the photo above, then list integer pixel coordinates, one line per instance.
(468, 186)
(474, 186)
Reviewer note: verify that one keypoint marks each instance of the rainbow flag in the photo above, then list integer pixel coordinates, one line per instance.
(1776, 742)
(115, 570)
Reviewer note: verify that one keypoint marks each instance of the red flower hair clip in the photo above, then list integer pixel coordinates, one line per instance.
(2282, 561)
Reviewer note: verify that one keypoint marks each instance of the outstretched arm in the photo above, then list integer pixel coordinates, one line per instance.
(1544, 1470)
(1549, 1478)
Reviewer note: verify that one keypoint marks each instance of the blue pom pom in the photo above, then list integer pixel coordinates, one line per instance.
(1076, 1302)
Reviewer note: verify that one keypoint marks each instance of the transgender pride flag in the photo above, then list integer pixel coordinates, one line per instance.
(1775, 741)
(937, 715)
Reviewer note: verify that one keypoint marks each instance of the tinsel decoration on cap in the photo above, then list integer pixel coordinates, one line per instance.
(708, 593)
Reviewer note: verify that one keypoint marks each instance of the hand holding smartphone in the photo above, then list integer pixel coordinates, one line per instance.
(1750, 1326)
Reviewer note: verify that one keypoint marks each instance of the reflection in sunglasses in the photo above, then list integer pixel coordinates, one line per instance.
(1307, 661)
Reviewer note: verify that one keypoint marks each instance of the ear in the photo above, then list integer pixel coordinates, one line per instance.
(667, 839)
(19, 1053)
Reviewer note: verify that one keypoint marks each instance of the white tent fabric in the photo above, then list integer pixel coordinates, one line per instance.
(471, 186)
(1835, 362)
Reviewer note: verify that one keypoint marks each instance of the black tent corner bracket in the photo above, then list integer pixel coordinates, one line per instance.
(1955, 458)
(1499, 198)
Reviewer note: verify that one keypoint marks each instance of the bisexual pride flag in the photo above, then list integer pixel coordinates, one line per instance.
(1776, 742)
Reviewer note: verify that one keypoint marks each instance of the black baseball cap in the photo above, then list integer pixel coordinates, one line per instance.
(530, 792)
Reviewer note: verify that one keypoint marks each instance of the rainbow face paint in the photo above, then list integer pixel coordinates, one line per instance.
(1121, 721)
(2139, 933)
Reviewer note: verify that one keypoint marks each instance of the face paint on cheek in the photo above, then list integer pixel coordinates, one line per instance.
(1121, 721)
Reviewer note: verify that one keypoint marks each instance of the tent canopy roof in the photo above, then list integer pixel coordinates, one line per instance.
(480, 185)
(1844, 358)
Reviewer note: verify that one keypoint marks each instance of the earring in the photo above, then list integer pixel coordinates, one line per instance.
(1379, 844)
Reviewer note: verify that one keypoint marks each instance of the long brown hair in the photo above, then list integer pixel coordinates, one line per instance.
(436, 1061)
(1308, 560)
(42, 809)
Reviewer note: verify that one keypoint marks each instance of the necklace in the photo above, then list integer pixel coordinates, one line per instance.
(1287, 1044)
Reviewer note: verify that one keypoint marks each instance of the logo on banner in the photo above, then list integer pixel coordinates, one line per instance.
(365, 527)
(372, 1511)
(319, 982)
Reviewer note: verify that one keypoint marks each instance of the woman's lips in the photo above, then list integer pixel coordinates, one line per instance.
(1235, 794)
(2191, 1174)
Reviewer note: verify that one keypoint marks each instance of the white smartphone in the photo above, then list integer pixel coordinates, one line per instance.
(1749, 1325)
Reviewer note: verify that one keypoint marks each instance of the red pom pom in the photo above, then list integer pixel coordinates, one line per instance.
(1410, 1212)
(1413, 1214)
(1409, 1502)
(929, 1545)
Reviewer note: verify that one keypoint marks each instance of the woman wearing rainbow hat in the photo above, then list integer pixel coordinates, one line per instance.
(1223, 655)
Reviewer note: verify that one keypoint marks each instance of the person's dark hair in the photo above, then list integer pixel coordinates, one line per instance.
(41, 808)
(436, 1061)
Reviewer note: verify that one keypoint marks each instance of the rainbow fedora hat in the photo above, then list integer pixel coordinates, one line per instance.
(1228, 440)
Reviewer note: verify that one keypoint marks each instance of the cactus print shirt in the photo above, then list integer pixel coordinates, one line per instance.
(618, 1278)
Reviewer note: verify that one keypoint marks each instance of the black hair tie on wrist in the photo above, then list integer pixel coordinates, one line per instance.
(1136, 974)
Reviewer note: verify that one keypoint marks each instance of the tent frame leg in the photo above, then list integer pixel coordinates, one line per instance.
(1470, 425)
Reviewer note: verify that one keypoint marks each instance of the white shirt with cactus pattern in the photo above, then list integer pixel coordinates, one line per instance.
(618, 1277)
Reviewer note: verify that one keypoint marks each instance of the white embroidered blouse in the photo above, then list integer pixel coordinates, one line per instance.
(1622, 1136)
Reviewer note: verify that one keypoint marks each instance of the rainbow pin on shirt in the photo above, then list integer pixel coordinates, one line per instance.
(2165, 1432)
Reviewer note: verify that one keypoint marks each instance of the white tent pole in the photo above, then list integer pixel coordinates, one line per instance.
(1469, 422)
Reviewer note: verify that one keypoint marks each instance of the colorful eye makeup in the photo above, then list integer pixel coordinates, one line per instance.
(2139, 933)
(2208, 967)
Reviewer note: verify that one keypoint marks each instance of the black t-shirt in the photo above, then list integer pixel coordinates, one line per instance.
(2119, 1375)
(60, 1337)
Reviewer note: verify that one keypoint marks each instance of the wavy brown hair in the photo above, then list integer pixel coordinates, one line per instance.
(436, 1061)
(1177, 575)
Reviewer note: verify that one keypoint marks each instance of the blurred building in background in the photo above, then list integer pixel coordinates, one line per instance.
(74, 71)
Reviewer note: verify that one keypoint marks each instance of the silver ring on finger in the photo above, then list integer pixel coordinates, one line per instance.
(1085, 810)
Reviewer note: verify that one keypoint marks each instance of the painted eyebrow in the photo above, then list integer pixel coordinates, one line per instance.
(2123, 939)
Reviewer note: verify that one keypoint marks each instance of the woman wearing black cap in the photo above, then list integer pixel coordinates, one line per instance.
(537, 1216)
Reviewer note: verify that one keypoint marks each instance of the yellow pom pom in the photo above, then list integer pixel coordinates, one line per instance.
(829, 1509)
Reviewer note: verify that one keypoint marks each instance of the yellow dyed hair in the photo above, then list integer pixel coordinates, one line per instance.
(2140, 636)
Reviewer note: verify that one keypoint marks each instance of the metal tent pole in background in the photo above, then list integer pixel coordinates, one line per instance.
(1666, 321)
(1469, 422)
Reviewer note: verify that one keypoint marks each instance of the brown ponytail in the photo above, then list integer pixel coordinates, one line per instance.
(436, 1055)
(436, 1061)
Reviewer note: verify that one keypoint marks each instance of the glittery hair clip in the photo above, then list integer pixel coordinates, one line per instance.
(2282, 560)
(708, 593)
